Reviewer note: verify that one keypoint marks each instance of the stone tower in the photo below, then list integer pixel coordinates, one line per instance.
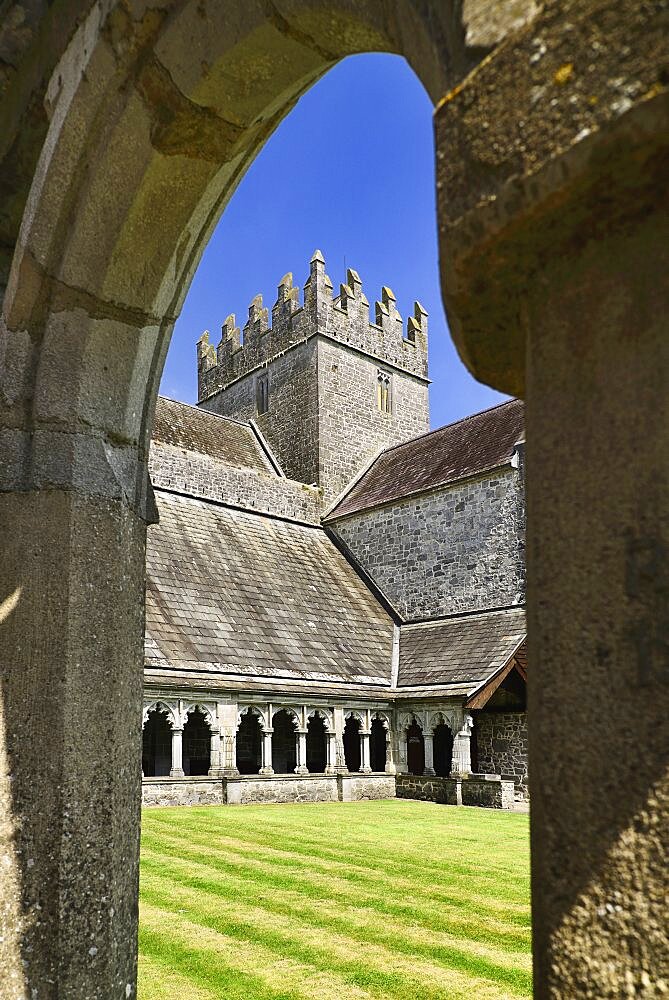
(326, 387)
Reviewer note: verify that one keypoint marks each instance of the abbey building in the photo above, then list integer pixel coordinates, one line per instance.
(334, 604)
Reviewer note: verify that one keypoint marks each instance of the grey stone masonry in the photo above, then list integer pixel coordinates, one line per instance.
(489, 791)
(501, 741)
(203, 476)
(456, 549)
(313, 379)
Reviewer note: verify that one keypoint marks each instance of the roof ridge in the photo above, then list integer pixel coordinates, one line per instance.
(454, 423)
(463, 616)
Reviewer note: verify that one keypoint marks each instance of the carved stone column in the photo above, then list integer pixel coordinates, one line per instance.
(215, 768)
(462, 751)
(331, 751)
(227, 715)
(391, 767)
(429, 752)
(301, 746)
(339, 723)
(365, 766)
(267, 752)
(177, 769)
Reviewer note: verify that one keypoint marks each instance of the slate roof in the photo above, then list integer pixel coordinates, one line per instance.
(464, 650)
(233, 592)
(194, 429)
(480, 443)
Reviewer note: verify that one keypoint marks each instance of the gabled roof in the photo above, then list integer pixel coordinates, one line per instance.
(477, 444)
(230, 592)
(467, 650)
(193, 429)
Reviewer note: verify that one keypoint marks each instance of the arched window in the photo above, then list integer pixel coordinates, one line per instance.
(249, 743)
(383, 393)
(196, 743)
(352, 743)
(156, 745)
(262, 393)
(378, 745)
(284, 746)
(316, 745)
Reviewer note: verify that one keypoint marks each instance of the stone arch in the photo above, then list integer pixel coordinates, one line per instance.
(435, 719)
(170, 710)
(409, 718)
(354, 713)
(144, 147)
(325, 715)
(209, 712)
(262, 716)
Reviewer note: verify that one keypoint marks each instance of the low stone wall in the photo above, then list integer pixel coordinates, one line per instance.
(182, 792)
(259, 788)
(356, 787)
(488, 790)
(429, 788)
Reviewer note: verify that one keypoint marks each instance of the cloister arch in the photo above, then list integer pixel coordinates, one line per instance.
(144, 145)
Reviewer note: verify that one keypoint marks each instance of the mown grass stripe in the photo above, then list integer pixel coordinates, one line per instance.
(293, 923)
(276, 972)
(485, 931)
(446, 950)
(421, 864)
(352, 901)
(378, 970)
(357, 874)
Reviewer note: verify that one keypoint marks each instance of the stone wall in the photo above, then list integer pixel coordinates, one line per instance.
(182, 792)
(352, 427)
(427, 788)
(282, 788)
(203, 476)
(290, 424)
(456, 549)
(357, 787)
(256, 788)
(489, 791)
(501, 743)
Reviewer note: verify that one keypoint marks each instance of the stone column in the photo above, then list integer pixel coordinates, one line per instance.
(331, 751)
(267, 752)
(429, 753)
(391, 767)
(340, 722)
(554, 273)
(462, 751)
(177, 770)
(301, 745)
(365, 767)
(215, 769)
(227, 714)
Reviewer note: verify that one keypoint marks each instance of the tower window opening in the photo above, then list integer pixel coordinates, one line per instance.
(383, 393)
(262, 393)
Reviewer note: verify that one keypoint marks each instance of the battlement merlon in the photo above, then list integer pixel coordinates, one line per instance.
(344, 318)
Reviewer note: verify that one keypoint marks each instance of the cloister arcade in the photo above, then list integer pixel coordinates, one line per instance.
(187, 741)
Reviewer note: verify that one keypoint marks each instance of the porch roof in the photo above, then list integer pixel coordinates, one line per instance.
(465, 650)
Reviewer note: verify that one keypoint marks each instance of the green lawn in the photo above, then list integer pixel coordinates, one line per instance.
(336, 901)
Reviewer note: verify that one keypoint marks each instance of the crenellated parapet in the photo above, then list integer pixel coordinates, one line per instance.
(344, 318)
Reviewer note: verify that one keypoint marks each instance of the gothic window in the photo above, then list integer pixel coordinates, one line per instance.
(383, 393)
(262, 393)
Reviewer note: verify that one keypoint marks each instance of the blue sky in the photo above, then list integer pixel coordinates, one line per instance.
(350, 171)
